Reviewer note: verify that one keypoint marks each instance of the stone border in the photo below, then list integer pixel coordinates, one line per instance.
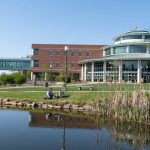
(8, 102)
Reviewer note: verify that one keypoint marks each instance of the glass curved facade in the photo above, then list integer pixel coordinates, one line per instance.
(119, 49)
(123, 62)
(137, 49)
(132, 37)
(108, 52)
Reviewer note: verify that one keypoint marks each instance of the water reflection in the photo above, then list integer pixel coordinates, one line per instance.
(112, 133)
(65, 131)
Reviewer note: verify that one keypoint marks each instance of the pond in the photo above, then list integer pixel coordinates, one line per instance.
(33, 130)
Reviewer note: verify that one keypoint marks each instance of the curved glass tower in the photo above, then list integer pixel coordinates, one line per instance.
(128, 60)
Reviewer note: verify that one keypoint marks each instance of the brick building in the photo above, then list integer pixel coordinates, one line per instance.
(51, 58)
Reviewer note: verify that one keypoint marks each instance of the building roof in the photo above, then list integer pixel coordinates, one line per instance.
(134, 32)
(128, 56)
(15, 59)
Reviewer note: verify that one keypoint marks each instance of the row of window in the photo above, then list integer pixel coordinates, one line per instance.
(57, 65)
(132, 37)
(123, 49)
(14, 64)
(57, 52)
(114, 66)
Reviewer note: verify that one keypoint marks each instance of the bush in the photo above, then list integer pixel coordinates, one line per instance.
(14, 78)
(62, 79)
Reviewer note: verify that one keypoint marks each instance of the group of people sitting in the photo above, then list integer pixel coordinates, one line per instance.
(51, 95)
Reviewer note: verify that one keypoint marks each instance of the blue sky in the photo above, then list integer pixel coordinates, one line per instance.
(24, 22)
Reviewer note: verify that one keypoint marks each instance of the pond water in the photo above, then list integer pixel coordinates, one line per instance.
(31, 130)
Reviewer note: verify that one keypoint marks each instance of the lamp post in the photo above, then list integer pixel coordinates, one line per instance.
(147, 74)
(50, 66)
(66, 49)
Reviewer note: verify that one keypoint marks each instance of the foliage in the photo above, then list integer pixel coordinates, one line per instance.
(62, 79)
(14, 78)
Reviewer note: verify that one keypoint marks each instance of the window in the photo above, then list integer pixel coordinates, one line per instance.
(108, 52)
(57, 53)
(147, 36)
(72, 64)
(112, 66)
(132, 37)
(129, 65)
(98, 66)
(50, 53)
(35, 63)
(80, 53)
(137, 49)
(36, 52)
(87, 54)
(57, 65)
(119, 49)
(72, 53)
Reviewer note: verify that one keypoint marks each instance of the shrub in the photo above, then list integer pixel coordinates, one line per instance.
(14, 78)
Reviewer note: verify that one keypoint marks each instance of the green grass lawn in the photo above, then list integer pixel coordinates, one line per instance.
(73, 95)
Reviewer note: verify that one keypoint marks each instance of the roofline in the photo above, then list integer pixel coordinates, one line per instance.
(128, 33)
(105, 58)
(129, 43)
(69, 44)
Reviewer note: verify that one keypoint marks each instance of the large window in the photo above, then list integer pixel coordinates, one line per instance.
(119, 49)
(36, 52)
(145, 66)
(98, 66)
(112, 66)
(137, 49)
(147, 36)
(108, 52)
(35, 63)
(132, 37)
(129, 65)
(88, 71)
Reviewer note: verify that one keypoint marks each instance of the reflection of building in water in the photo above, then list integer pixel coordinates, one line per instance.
(55, 120)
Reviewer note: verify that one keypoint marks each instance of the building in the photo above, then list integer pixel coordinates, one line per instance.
(15, 64)
(51, 58)
(128, 60)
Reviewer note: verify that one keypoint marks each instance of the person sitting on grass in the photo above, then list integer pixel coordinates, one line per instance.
(61, 93)
(50, 94)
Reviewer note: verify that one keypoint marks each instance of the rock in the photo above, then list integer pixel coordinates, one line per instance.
(67, 106)
(44, 106)
(20, 104)
(34, 104)
(50, 106)
(80, 109)
(5, 100)
(87, 107)
(28, 105)
(75, 107)
(58, 107)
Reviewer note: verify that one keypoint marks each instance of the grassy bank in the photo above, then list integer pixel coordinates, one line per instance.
(122, 101)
